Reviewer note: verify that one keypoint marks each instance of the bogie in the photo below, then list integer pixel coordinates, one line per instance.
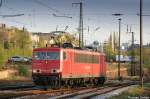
(70, 83)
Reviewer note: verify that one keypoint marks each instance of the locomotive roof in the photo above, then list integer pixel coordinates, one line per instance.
(84, 51)
(67, 49)
(47, 48)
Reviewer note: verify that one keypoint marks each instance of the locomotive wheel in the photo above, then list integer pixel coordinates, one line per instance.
(67, 84)
(101, 80)
(55, 84)
(71, 83)
(95, 82)
(76, 83)
(81, 82)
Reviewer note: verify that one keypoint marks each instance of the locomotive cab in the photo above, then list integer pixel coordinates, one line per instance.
(46, 65)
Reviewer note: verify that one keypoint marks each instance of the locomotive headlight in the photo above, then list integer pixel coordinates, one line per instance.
(36, 71)
(55, 70)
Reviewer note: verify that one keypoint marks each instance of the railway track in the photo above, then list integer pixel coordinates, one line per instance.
(16, 87)
(82, 92)
(28, 93)
(34, 92)
(92, 92)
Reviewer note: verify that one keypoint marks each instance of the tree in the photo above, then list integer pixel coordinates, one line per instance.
(65, 38)
(6, 45)
(109, 49)
(14, 42)
(41, 42)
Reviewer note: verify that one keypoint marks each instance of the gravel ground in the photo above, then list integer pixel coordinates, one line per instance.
(113, 93)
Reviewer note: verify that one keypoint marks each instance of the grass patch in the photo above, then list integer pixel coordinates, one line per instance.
(122, 96)
(134, 92)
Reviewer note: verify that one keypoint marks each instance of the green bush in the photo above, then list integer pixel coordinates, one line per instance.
(147, 63)
(2, 57)
(23, 70)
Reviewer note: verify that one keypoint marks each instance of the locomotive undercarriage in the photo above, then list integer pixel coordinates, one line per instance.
(55, 81)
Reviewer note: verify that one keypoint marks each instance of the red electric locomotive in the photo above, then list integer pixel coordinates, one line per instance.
(57, 66)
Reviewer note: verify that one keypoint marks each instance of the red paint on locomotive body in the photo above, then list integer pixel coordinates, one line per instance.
(76, 67)
(42, 64)
(68, 63)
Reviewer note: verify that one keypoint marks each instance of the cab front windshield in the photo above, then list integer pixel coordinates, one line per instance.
(46, 55)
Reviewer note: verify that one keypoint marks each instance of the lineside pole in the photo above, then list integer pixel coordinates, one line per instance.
(80, 24)
(119, 77)
(141, 43)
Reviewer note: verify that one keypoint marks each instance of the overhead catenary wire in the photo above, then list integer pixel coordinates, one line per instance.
(18, 22)
(15, 15)
(61, 16)
(47, 6)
